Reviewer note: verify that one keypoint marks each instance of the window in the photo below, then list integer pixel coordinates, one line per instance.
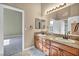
(51, 26)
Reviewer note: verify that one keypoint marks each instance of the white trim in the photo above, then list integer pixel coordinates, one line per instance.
(12, 36)
(28, 48)
(1, 32)
(23, 30)
(19, 10)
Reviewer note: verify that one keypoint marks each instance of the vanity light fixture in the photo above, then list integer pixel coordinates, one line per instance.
(59, 6)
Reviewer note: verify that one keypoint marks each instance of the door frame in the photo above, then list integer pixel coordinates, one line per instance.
(19, 10)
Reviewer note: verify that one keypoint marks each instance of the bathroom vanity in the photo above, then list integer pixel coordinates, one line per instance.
(65, 23)
(56, 46)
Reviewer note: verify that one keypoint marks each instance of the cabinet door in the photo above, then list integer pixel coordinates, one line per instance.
(37, 43)
(40, 45)
(54, 51)
(46, 47)
(46, 50)
(64, 53)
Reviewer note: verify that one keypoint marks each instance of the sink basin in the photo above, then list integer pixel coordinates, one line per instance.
(66, 40)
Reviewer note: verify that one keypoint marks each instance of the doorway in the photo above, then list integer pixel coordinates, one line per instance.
(13, 30)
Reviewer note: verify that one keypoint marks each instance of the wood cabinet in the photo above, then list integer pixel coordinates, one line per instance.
(40, 45)
(38, 42)
(46, 50)
(54, 51)
(53, 48)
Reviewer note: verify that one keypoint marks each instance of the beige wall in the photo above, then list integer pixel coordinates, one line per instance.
(32, 11)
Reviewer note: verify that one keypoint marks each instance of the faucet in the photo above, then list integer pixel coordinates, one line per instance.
(66, 35)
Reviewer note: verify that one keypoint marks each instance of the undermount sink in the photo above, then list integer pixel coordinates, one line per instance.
(69, 41)
(66, 40)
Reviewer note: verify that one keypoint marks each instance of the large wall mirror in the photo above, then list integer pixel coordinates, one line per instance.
(66, 20)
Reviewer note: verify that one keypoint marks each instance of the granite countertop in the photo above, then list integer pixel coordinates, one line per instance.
(68, 42)
(65, 42)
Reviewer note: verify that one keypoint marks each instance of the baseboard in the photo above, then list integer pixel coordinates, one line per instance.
(29, 48)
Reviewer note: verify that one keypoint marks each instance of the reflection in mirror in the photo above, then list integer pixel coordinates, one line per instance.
(73, 25)
(57, 26)
(37, 23)
(42, 24)
(51, 26)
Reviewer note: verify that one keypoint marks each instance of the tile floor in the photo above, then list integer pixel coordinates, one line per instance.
(31, 52)
(13, 46)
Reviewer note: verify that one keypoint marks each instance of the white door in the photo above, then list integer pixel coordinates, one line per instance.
(1, 31)
(12, 32)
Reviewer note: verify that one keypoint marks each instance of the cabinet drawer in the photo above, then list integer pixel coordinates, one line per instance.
(66, 48)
